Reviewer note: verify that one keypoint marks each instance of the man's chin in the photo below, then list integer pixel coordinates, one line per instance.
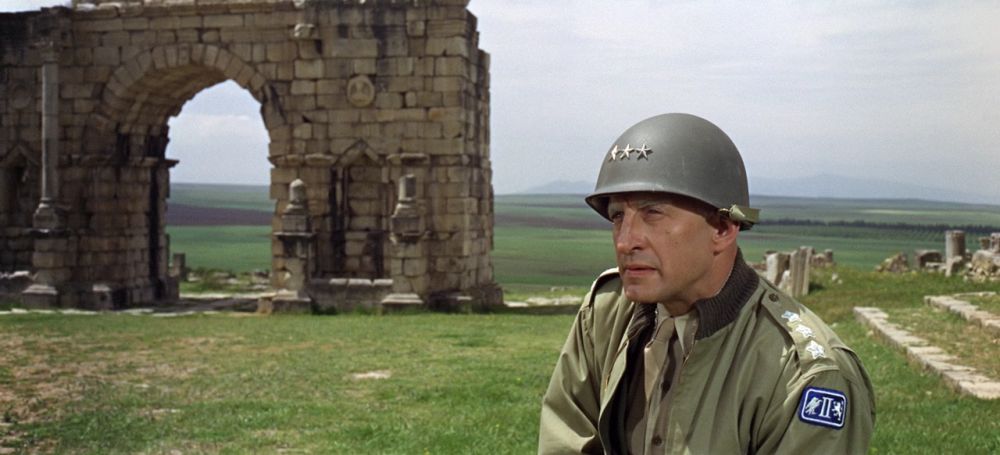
(638, 296)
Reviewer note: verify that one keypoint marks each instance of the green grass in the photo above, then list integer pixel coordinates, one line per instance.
(459, 383)
(910, 211)
(534, 256)
(968, 342)
(986, 303)
(233, 248)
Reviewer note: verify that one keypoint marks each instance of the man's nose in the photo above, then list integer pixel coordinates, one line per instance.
(628, 236)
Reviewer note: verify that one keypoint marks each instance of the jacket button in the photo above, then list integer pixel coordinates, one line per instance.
(657, 441)
(773, 297)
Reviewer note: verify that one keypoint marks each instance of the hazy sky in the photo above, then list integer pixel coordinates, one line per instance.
(900, 91)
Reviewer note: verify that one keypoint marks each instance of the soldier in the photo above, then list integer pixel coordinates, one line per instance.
(682, 348)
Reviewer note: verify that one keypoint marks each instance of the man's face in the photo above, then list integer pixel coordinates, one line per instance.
(663, 245)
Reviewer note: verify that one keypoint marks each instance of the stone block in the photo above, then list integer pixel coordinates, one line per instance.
(451, 66)
(300, 87)
(309, 69)
(107, 56)
(351, 48)
(453, 46)
(449, 84)
(222, 21)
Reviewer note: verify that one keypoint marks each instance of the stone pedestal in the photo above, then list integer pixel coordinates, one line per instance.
(297, 241)
(409, 262)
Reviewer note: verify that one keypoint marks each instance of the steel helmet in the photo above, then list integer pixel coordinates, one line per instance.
(681, 154)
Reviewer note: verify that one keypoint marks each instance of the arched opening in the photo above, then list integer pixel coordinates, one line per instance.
(126, 249)
(219, 211)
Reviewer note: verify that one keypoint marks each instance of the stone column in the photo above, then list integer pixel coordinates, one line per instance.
(51, 258)
(178, 266)
(297, 240)
(797, 284)
(48, 216)
(954, 244)
(408, 266)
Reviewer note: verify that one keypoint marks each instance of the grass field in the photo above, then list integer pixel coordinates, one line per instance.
(235, 248)
(456, 383)
(115, 383)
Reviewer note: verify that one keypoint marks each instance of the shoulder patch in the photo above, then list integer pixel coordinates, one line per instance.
(823, 407)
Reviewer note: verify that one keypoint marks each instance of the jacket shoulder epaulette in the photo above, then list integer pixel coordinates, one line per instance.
(812, 338)
(603, 278)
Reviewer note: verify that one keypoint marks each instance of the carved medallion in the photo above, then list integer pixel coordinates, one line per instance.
(360, 91)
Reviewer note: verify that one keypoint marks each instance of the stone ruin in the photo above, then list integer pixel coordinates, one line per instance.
(984, 264)
(790, 271)
(378, 118)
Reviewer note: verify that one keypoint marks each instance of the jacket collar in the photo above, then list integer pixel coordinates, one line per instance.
(716, 312)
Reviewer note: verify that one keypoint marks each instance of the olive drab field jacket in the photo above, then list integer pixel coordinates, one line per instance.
(764, 375)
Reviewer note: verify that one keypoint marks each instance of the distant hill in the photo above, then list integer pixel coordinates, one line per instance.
(839, 186)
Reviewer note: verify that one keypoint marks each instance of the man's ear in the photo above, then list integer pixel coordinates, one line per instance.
(725, 233)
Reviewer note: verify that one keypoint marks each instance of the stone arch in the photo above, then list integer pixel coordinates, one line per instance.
(124, 149)
(152, 86)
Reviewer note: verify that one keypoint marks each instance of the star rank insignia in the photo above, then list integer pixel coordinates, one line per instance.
(626, 152)
(642, 153)
(613, 153)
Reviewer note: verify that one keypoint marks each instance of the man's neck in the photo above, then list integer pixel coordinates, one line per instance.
(711, 286)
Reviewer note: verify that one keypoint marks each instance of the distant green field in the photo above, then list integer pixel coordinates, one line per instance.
(557, 240)
(235, 248)
(571, 207)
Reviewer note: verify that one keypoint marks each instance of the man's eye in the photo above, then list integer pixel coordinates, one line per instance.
(615, 216)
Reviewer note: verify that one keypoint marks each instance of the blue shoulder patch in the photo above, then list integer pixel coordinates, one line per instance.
(823, 407)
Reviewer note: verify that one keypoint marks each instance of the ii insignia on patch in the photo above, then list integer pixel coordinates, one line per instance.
(823, 407)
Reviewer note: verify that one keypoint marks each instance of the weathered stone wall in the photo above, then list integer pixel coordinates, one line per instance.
(354, 95)
(19, 148)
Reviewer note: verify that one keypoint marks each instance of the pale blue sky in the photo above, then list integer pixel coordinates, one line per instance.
(899, 91)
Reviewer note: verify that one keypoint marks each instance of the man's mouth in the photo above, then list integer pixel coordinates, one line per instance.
(637, 270)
